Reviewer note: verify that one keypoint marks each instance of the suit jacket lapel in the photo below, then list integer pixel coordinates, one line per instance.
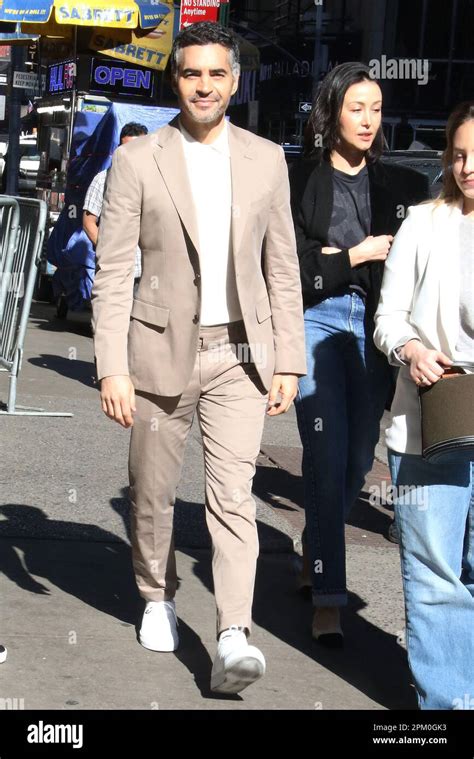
(169, 157)
(241, 167)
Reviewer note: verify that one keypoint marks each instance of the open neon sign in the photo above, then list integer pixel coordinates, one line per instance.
(121, 79)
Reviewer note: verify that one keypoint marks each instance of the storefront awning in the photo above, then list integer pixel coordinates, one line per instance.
(122, 14)
(249, 55)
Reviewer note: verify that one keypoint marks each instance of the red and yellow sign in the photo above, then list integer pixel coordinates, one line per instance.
(193, 11)
(150, 49)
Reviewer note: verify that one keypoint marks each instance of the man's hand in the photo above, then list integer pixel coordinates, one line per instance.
(286, 385)
(91, 228)
(117, 396)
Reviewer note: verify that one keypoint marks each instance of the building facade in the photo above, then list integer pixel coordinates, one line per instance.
(422, 51)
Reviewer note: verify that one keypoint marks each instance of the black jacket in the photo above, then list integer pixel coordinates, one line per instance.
(392, 189)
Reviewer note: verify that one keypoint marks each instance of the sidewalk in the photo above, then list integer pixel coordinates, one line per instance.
(68, 603)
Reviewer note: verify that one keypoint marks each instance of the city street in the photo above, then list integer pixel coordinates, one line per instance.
(250, 193)
(68, 602)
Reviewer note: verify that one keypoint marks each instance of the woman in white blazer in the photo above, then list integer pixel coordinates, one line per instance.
(424, 324)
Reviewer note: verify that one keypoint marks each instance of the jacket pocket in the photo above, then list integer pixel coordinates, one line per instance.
(150, 313)
(263, 309)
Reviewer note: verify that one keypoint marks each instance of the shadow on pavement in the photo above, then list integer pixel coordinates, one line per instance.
(43, 316)
(283, 491)
(72, 368)
(372, 661)
(368, 518)
(98, 574)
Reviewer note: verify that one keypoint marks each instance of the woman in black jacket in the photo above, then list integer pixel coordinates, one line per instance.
(347, 205)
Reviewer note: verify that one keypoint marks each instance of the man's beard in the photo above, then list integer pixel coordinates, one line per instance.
(206, 117)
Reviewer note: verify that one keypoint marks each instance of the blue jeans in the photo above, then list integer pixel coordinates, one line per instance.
(434, 511)
(339, 406)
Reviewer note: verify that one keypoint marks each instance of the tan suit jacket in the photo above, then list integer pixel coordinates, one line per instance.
(153, 336)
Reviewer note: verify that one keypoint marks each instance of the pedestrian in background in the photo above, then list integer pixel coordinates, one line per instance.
(424, 324)
(93, 202)
(347, 205)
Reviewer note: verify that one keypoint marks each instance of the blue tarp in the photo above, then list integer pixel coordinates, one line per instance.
(95, 138)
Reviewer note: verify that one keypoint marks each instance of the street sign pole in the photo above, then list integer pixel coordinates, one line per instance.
(317, 46)
(224, 12)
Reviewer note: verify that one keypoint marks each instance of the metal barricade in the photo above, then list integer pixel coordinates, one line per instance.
(9, 224)
(23, 225)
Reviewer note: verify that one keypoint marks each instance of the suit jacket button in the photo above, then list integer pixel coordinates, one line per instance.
(196, 319)
(197, 278)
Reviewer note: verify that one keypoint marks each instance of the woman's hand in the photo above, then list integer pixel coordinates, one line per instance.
(371, 249)
(426, 366)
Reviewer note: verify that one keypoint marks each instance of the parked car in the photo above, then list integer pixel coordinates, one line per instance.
(3, 152)
(292, 152)
(427, 162)
(29, 164)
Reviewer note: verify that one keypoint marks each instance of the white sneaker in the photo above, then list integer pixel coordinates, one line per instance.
(159, 626)
(237, 664)
(3, 654)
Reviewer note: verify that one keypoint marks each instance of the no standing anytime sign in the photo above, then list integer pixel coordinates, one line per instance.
(198, 10)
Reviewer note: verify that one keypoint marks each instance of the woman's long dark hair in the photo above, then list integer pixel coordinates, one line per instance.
(327, 107)
(462, 113)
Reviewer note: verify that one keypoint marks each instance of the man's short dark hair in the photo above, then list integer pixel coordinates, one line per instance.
(132, 129)
(206, 33)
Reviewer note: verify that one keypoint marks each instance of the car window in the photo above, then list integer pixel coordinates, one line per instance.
(30, 151)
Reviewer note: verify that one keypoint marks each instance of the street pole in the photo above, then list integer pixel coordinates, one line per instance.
(224, 11)
(317, 46)
(73, 94)
(18, 57)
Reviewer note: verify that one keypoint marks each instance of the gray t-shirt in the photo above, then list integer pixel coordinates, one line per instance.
(351, 218)
(465, 343)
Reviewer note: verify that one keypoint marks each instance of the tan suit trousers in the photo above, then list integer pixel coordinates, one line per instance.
(230, 401)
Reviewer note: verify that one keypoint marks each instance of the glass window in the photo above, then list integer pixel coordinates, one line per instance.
(463, 39)
(408, 29)
(438, 29)
(30, 151)
(461, 84)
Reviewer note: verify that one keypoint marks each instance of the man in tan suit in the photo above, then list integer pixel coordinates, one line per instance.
(216, 327)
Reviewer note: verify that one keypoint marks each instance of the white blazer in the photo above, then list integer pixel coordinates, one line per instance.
(419, 299)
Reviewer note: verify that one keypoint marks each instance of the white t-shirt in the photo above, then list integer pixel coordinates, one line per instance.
(209, 173)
